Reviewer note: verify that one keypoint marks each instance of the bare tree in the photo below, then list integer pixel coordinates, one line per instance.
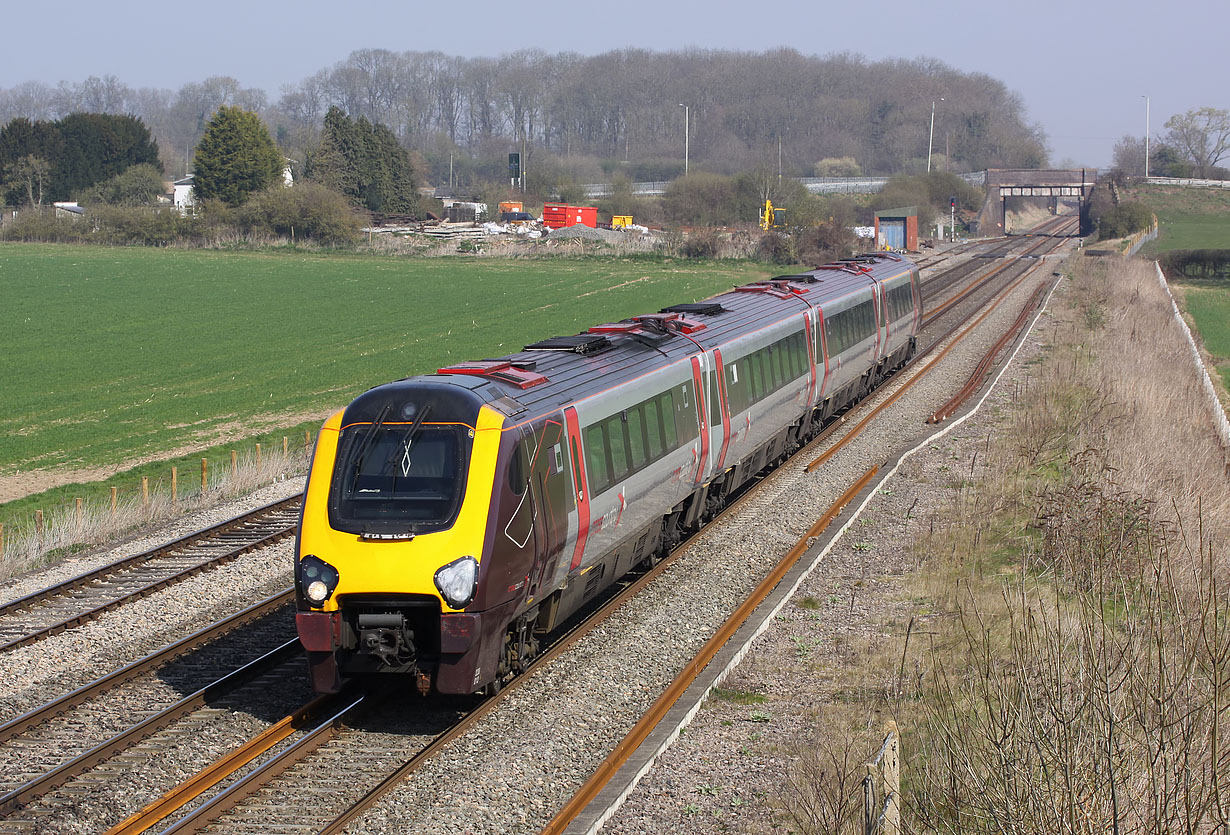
(1202, 135)
(1129, 156)
(32, 174)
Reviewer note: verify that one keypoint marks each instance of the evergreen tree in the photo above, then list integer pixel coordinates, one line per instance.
(366, 163)
(99, 146)
(235, 158)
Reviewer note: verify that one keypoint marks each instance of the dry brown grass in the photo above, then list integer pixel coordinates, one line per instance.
(68, 532)
(1069, 665)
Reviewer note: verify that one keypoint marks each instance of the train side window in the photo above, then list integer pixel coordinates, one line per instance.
(617, 446)
(653, 429)
(666, 406)
(519, 469)
(685, 413)
(636, 438)
(596, 459)
(715, 399)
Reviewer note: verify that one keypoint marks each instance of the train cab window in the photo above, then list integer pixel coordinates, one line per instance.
(398, 478)
(519, 469)
(637, 454)
(596, 466)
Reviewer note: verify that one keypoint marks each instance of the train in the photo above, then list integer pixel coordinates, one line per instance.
(451, 520)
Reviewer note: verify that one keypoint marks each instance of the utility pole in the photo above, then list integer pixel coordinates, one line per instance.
(931, 136)
(1146, 98)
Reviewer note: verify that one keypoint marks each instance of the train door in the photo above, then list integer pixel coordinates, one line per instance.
(580, 492)
(701, 368)
(882, 318)
(719, 411)
(550, 490)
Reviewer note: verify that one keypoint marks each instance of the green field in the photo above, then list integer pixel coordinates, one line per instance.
(1190, 218)
(114, 354)
(1210, 308)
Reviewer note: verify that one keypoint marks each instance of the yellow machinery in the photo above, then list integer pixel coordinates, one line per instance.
(621, 221)
(772, 218)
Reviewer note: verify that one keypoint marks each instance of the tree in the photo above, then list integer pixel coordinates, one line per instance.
(31, 174)
(139, 185)
(235, 158)
(1202, 136)
(99, 146)
(1129, 156)
(365, 162)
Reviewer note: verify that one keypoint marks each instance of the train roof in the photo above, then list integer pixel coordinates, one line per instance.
(552, 373)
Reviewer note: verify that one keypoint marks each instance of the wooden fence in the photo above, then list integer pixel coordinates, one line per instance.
(882, 787)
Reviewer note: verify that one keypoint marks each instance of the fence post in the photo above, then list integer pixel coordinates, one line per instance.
(38, 522)
(204, 475)
(307, 440)
(234, 463)
(145, 491)
(258, 456)
(174, 484)
(114, 490)
(285, 446)
(1, 542)
(77, 514)
(892, 779)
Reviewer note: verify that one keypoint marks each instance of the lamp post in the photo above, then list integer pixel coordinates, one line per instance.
(1146, 98)
(931, 136)
(686, 115)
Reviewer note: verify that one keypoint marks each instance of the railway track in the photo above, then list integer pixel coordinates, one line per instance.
(348, 739)
(81, 599)
(372, 735)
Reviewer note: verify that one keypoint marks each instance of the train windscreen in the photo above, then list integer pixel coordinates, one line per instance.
(394, 479)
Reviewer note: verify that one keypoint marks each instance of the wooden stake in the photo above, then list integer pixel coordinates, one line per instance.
(145, 491)
(1, 541)
(78, 514)
(204, 475)
(307, 440)
(285, 445)
(38, 522)
(114, 490)
(234, 463)
(174, 484)
(258, 455)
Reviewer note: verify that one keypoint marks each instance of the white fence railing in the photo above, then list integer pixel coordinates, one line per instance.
(1187, 182)
(816, 185)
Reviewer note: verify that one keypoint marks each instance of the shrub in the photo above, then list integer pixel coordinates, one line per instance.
(702, 243)
(1128, 217)
(825, 243)
(305, 210)
(702, 200)
(775, 248)
(139, 185)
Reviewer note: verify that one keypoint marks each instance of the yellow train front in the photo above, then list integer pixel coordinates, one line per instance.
(395, 573)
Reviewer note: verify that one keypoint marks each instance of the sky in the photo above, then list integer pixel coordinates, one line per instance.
(1082, 67)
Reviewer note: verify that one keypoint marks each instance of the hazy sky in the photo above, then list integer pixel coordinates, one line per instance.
(1081, 66)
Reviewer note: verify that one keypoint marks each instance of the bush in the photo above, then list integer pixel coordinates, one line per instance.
(775, 248)
(702, 200)
(1128, 217)
(305, 210)
(138, 225)
(702, 243)
(139, 185)
(825, 243)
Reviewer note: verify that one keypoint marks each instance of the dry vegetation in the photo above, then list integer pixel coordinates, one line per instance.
(70, 529)
(1067, 662)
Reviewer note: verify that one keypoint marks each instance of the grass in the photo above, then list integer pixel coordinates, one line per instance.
(1190, 218)
(113, 355)
(1209, 306)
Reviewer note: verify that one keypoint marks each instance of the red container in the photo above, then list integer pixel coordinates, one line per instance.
(561, 215)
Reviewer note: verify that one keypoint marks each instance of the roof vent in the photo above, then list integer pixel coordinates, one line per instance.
(695, 309)
(583, 343)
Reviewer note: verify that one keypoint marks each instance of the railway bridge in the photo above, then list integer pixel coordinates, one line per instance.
(1055, 184)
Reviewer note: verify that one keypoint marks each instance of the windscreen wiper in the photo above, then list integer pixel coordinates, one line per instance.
(367, 442)
(412, 434)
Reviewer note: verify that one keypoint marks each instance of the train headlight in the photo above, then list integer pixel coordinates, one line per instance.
(458, 581)
(317, 578)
